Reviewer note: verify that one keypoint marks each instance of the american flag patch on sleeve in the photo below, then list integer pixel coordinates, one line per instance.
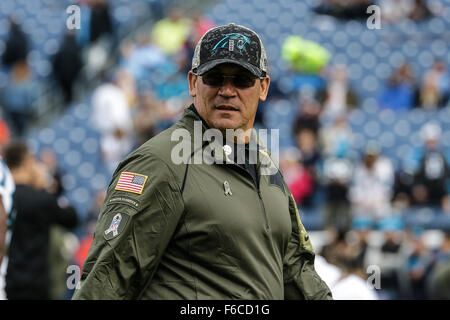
(131, 182)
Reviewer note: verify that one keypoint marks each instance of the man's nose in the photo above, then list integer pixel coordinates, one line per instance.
(227, 89)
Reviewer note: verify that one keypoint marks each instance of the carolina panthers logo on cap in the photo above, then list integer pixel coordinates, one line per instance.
(233, 40)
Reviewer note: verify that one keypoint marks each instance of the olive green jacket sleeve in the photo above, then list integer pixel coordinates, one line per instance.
(121, 264)
(301, 281)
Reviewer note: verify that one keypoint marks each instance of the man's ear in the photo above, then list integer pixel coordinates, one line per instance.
(192, 80)
(265, 83)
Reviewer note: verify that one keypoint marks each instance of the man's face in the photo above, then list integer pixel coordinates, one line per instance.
(226, 106)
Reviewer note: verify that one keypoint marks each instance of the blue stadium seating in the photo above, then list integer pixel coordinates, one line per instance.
(44, 22)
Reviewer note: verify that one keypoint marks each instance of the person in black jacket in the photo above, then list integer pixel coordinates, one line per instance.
(67, 64)
(100, 23)
(34, 211)
(16, 48)
(431, 177)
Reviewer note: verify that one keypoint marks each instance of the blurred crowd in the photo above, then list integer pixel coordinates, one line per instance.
(391, 263)
(368, 185)
(362, 197)
(392, 10)
(143, 90)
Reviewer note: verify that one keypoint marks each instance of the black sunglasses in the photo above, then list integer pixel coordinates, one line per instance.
(240, 80)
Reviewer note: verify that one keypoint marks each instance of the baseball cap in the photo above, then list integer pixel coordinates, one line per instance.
(230, 43)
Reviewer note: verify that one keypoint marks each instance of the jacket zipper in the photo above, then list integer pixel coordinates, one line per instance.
(264, 210)
(258, 183)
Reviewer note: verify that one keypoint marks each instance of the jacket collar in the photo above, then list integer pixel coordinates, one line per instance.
(191, 114)
(264, 159)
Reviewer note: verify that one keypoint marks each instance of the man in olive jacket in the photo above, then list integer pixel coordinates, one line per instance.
(189, 217)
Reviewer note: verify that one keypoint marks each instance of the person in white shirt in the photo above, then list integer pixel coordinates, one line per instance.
(372, 186)
(344, 273)
(111, 116)
(352, 287)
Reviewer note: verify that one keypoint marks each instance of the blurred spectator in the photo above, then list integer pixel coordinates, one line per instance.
(308, 145)
(349, 280)
(62, 242)
(140, 58)
(5, 134)
(357, 238)
(18, 98)
(97, 36)
(308, 117)
(330, 250)
(94, 210)
(289, 164)
(200, 25)
(274, 96)
(36, 210)
(148, 114)
(67, 64)
(338, 97)
(358, 241)
(337, 141)
(344, 9)
(126, 82)
(399, 93)
(100, 20)
(298, 179)
(435, 88)
(329, 273)
(395, 10)
(170, 33)
(48, 158)
(418, 265)
(398, 10)
(111, 116)
(402, 192)
(431, 176)
(89, 228)
(87, 236)
(304, 56)
(352, 285)
(337, 174)
(311, 156)
(337, 138)
(419, 11)
(16, 47)
(439, 280)
(371, 188)
(391, 256)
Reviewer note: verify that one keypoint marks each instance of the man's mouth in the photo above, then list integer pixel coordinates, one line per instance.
(226, 108)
